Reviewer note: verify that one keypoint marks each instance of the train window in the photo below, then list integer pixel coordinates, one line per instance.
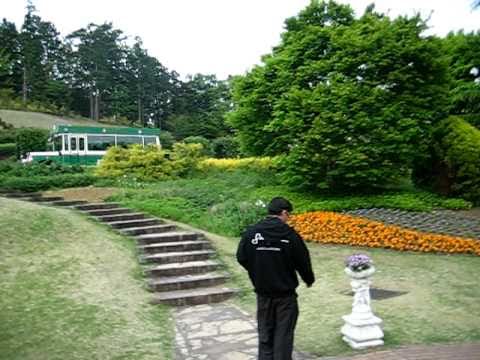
(126, 141)
(150, 140)
(73, 144)
(100, 143)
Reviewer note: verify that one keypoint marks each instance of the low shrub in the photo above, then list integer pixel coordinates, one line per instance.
(225, 147)
(30, 139)
(206, 144)
(414, 200)
(186, 157)
(166, 140)
(334, 228)
(234, 216)
(37, 183)
(44, 168)
(218, 201)
(149, 164)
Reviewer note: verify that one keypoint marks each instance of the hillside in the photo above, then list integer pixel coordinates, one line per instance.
(43, 121)
(72, 289)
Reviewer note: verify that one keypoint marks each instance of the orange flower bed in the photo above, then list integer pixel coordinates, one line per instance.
(334, 228)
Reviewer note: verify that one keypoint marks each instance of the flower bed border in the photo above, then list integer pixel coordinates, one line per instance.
(333, 228)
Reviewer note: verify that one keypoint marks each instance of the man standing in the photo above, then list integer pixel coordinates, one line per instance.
(272, 252)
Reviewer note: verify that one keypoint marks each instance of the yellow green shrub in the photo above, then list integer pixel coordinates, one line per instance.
(150, 163)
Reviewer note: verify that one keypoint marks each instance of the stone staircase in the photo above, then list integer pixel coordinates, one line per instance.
(179, 265)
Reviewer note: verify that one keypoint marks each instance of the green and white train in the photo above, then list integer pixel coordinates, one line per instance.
(85, 145)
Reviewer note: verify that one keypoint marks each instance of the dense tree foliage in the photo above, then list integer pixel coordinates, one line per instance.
(200, 107)
(349, 102)
(453, 167)
(463, 54)
(10, 68)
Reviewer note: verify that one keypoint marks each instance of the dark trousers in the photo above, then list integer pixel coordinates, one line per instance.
(276, 319)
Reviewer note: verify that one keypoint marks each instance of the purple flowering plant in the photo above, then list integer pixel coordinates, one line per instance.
(358, 262)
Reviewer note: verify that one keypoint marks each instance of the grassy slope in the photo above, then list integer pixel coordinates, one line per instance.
(73, 289)
(39, 120)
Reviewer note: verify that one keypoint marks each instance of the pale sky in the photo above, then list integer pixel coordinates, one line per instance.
(219, 37)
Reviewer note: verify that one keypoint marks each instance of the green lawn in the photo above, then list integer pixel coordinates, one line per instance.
(72, 289)
(439, 302)
(42, 121)
(225, 202)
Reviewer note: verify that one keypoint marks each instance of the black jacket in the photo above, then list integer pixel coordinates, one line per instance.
(272, 252)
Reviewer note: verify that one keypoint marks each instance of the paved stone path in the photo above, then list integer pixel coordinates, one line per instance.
(217, 332)
(224, 332)
(446, 222)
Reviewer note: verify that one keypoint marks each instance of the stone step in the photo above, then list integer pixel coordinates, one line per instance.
(44, 198)
(169, 236)
(172, 283)
(174, 246)
(148, 229)
(21, 194)
(121, 217)
(113, 211)
(128, 224)
(184, 268)
(180, 256)
(193, 296)
(66, 203)
(98, 206)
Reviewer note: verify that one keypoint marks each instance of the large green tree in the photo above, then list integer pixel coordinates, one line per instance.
(463, 54)
(150, 85)
(99, 54)
(41, 54)
(349, 102)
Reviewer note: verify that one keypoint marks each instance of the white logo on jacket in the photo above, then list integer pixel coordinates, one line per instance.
(258, 237)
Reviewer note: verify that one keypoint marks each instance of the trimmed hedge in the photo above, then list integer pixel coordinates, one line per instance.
(8, 136)
(251, 164)
(41, 176)
(43, 168)
(7, 150)
(38, 183)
